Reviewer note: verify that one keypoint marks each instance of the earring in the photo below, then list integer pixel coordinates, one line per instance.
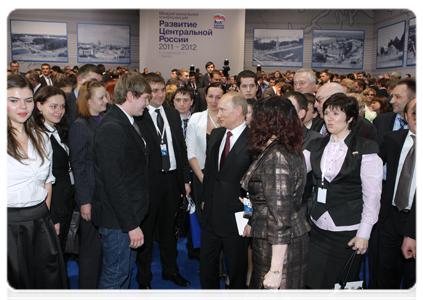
(41, 112)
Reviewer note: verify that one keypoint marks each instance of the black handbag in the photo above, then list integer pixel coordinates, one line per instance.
(72, 242)
(341, 283)
(342, 294)
(261, 292)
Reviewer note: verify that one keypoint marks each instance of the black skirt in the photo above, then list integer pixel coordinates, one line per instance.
(34, 257)
(328, 256)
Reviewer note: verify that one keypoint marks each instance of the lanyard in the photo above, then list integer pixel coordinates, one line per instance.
(165, 124)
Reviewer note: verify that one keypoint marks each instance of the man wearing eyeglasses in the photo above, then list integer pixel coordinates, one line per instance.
(304, 81)
(362, 127)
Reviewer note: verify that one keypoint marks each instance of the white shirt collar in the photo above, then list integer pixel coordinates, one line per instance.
(131, 119)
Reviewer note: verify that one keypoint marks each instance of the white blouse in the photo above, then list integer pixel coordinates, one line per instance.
(196, 137)
(25, 182)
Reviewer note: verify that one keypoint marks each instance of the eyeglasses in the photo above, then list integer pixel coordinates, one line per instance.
(371, 95)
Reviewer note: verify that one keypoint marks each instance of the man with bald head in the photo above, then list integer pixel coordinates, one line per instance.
(361, 128)
(304, 81)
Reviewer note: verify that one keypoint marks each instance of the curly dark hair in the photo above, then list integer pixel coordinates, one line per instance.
(276, 116)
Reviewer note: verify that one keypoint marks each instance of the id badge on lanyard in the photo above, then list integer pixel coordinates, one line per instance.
(163, 148)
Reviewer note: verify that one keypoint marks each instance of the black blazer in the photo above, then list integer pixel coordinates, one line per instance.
(80, 143)
(390, 152)
(72, 115)
(148, 130)
(222, 189)
(63, 190)
(362, 127)
(43, 81)
(121, 192)
(384, 123)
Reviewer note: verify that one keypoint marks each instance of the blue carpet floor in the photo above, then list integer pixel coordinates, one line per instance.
(187, 268)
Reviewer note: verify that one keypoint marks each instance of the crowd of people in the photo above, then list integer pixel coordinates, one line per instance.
(327, 161)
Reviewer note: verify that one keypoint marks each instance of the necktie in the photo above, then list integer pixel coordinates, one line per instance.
(406, 176)
(137, 129)
(226, 149)
(185, 126)
(163, 143)
(402, 123)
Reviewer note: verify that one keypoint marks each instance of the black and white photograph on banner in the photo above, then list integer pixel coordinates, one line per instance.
(342, 49)
(102, 43)
(39, 41)
(411, 44)
(278, 47)
(390, 46)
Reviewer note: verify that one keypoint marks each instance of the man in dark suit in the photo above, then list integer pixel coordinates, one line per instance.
(88, 72)
(402, 93)
(193, 83)
(34, 79)
(205, 79)
(121, 192)
(398, 197)
(45, 78)
(200, 103)
(228, 158)
(361, 128)
(161, 127)
(382, 91)
(270, 91)
(300, 103)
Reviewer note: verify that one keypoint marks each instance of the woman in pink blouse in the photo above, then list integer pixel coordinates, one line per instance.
(346, 205)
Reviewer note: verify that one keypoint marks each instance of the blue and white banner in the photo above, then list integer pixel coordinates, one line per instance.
(175, 39)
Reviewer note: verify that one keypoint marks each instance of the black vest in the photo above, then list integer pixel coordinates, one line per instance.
(344, 199)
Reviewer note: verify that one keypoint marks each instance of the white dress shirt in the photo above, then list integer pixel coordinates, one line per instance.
(171, 151)
(236, 132)
(25, 182)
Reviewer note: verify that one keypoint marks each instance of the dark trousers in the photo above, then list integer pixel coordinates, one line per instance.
(90, 260)
(392, 266)
(161, 214)
(235, 249)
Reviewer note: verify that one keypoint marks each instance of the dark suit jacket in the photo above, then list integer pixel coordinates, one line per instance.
(204, 80)
(382, 92)
(222, 189)
(410, 226)
(268, 92)
(72, 115)
(80, 145)
(200, 100)
(121, 192)
(362, 127)
(384, 123)
(63, 190)
(390, 152)
(148, 130)
(43, 81)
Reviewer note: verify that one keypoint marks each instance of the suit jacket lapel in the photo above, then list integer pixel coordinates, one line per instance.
(240, 143)
(92, 124)
(214, 150)
(150, 126)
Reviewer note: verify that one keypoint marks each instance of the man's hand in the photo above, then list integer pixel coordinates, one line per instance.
(86, 212)
(409, 248)
(247, 231)
(137, 238)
